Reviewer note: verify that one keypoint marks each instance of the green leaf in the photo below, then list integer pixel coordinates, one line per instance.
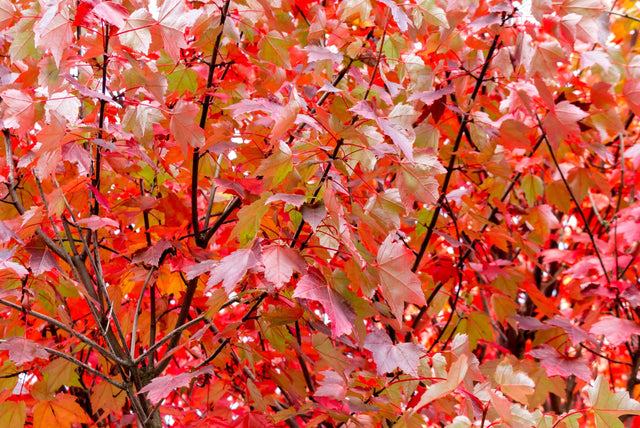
(607, 407)
(60, 372)
(429, 12)
(183, 80)
(249, 218)
(276, 167)
(533, 187)
(477, 326)
(274, 49)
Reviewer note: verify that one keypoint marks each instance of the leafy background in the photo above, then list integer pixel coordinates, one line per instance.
(329, 214)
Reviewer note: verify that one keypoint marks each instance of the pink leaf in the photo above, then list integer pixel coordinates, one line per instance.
(5, 263)
(319, 53)
(615, 330)
(280, 262)
(233, 268)
(183, 125)
(398, 15)
(200, 268)
(365, 109)
(631, 93)
(94, 222)
(295, 200)
(562, 122)
(397, 283)
(557, 364)
(41, 260)
(388, 357)
(530, 323)
(162, 386)
(431, 96)
(172, 23)
(55, 34)
(104, 202)
(313, 286)
(152, 255)
(19, 112)
(23, 350)
(403, 138)
(576, 334)
(6, 233)
(113, 13)
(84, 91)
(332, 386)
(229, 186)
(314, 215)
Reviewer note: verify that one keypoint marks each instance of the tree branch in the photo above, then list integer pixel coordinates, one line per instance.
(105, 353)
(452, 159)
(573, 198)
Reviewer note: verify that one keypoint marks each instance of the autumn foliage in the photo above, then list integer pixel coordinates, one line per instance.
(319, 213)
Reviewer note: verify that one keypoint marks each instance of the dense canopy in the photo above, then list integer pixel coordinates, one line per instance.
(319, 213)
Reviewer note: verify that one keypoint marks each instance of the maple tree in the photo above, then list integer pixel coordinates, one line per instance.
(316, 213)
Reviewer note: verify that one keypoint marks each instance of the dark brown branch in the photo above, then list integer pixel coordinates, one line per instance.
(226, 341)
(452, 159)
(200, 241)
(573, 198)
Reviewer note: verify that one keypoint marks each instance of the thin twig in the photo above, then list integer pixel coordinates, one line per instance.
(105, 353)
(17, 203)
(85, 367)
(340, 142)
(575, 200)
(623, 15)
(175, 332)
(452, 159)
(203, 122)
(136, 315)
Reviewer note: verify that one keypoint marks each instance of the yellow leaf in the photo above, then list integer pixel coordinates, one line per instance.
(61, 412)
(107, 397)
(13, 414)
